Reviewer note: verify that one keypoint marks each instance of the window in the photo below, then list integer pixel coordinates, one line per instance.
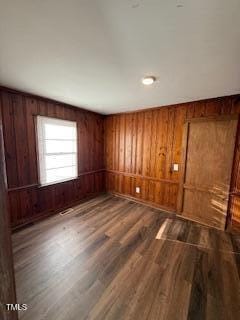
(57, 148)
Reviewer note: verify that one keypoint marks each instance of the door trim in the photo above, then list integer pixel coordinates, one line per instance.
(233, 192)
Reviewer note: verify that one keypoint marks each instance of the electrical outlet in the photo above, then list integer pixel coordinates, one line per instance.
(175, 167)
(137, 189)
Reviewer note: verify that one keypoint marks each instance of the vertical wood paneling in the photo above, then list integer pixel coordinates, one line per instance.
(128, 142)
(7, 281)
(14, 207)
(226, 105)
(147, 143)
(170, 139)
(26, 208)
(179, 120)
(51, 109)
(22, 155)
(26, 200)
(110, 143)
(121, 143)
(161, 145)
(86, 143)
(81, 142)
(139, 150)
(9, 136)
(199, 109)
(31, 111)
(153, 144)
(113, 145)
(212, 108)
(235, 211)
(134, 143)
(146, 152)
(117, 143)
(190, 111)
(159, 193)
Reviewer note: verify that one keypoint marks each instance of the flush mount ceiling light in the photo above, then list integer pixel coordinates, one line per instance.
(147, 81)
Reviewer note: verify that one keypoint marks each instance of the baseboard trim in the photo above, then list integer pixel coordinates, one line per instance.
(51, 213)
(147, 203)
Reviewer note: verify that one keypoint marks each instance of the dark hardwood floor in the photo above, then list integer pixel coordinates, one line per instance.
(103, 261)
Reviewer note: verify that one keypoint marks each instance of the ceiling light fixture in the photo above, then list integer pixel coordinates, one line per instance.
(147, 81)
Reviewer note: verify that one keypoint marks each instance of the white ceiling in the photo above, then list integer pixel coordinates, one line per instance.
(93, 53)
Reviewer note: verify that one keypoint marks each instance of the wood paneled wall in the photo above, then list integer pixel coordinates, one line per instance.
(7, 280)
(27, 200)
(140, 148)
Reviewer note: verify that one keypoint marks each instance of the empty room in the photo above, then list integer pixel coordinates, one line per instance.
(119, 160)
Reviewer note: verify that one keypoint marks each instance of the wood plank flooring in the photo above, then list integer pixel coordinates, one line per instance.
(103, 261)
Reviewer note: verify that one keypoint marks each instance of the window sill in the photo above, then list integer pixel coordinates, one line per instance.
(56, 182)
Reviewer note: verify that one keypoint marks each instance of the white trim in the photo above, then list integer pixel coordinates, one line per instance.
(56, 182)
(42, 153)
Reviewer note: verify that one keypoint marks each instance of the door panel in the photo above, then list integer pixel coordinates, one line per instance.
(204, 191)
(207, 208)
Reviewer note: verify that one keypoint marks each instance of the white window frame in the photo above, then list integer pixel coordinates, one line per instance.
(41, 146)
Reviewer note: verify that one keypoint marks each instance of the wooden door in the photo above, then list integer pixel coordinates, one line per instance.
(208, 149)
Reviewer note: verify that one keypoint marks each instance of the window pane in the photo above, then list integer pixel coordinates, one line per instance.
(54, 175)
(57, 131)
(58, 161)
(56, 146)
